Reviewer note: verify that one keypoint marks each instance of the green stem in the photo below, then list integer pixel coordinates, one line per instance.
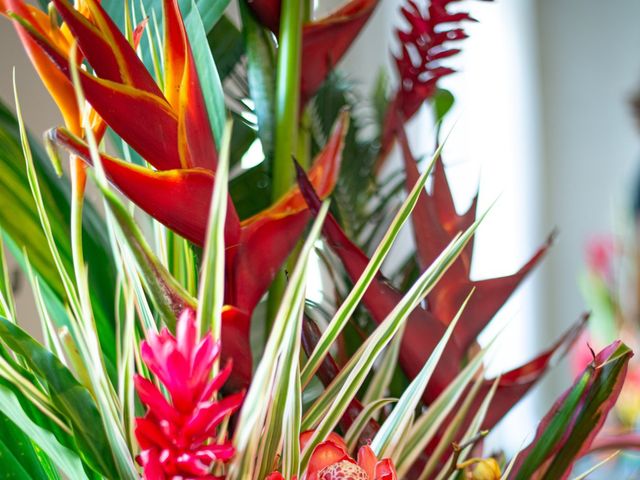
(287, 96)
(287, 110)
(307, 10)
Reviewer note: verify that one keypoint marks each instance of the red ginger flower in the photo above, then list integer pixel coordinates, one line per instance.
(178, 437)
(423, 47)
(331, 461)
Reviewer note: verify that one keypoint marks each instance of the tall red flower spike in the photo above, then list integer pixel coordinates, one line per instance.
(423, 46)
(324, 41)
(425, 327)
(176, 139)
(178, 435)
(331, 461)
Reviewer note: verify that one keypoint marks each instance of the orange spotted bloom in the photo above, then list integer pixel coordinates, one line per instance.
(331, 461)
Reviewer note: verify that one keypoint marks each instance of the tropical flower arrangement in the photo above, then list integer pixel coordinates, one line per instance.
(178, 342)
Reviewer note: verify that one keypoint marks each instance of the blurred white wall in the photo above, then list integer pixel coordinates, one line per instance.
(590, 66)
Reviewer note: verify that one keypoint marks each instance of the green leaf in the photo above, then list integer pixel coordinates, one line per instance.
(15, 444)
(381, 379)
(396, 424)
(443, 101)
(568, 429)
(209, 10)
(211, 294)
(66, 460)
(18, 214)
(70, 397)
(22, 230)
(251, 191)
(7, 302)
(353, 434)
(430, 422)
(450, 430)
(11, 466)
(261, 75)
(244, 134)
(205, 65)
(340, 319)
(271, 381)
(167, 294)
(227, 47)
(331, 405)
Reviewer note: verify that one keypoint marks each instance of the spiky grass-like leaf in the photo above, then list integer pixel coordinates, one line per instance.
(273, 366)
(211, 295)
(350, 303)
(392, 430)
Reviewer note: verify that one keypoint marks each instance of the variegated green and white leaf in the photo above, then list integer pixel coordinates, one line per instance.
(260, 397)
(393, 429)
(350, 303)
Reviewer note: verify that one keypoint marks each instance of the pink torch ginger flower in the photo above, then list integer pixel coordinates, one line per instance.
(331, 461)
(178, 435)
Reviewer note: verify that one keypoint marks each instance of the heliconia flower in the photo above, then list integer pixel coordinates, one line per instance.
(170, 129)
(55, 81)
(58, 85)
(423, 47)
(426, 326)
(324, 41)
(331, 461)
(178, 435)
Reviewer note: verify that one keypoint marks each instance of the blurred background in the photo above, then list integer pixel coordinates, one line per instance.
(542, 123)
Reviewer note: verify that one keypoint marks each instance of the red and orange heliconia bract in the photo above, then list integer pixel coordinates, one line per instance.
(324, 41)
(331, 461)
(170, 129)
(178, 436)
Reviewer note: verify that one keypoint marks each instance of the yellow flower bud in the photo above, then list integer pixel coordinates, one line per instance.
(486, 469)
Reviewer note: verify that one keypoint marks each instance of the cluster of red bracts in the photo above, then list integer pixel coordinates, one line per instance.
(423, 46)
(178, 437)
